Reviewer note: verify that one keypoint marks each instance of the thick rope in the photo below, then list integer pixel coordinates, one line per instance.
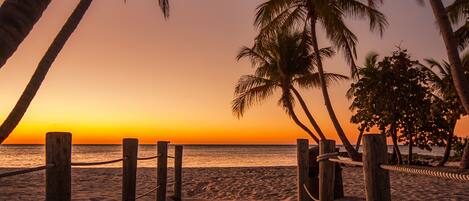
(326, 156)
(347, 162)
(171, 157)
(427, 172)
(309, 194)
(147, 193)
(24, 171)
(148, 158)
(97, 163)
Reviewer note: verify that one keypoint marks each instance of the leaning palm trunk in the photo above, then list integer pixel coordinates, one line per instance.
(308, 114)
(17, 18)
(449, 143)
(340, 132)
(457, 73)
(41, 71)
(292, 114)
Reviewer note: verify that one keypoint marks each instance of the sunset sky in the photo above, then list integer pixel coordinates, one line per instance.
(126, 72)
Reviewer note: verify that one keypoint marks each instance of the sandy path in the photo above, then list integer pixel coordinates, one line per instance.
(264, 183)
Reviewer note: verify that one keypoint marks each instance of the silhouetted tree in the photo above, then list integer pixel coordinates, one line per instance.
(330, 14)
(44, 65)
(393, 96)
(17, 18)
(282, 63)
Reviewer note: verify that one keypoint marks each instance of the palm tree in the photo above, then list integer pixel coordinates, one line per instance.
(446, 96)
(281, 63)
(330, 14)
(17, 18)
(459, 11)
(46, 62)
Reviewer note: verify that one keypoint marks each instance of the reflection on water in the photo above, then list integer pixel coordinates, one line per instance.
(194, 155)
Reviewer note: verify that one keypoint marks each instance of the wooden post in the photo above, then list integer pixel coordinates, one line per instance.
(177, 172)
(326, 171)
(129, 169)
(162, 170)
(375, 153)
(302, 169)
(58, 177)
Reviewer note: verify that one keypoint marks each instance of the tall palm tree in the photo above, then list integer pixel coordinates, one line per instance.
(283, 62)
(330, 14)
(17, 18)
(46, 62)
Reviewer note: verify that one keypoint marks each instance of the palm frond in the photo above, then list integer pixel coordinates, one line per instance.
(312, 79)
(246, 99)
(164, 5)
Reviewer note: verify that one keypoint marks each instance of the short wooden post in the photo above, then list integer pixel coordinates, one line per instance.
(375, 153)
(177, 172)
(58, 177)
(162, 170)
(129, 169)
(302, 169)
(326, 171)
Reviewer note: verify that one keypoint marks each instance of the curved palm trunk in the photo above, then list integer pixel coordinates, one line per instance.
(465, 157)
(327, 101)
(457, 72)
(41, 71)
(17, 18)
(449, 143)
(308, 114)
(298, 122)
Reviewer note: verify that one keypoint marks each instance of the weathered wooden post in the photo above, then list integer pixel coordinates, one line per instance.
(302, 169)
(326, 171)
(129, 168)
(375, 153)
(58, 177)
(162, 170)
(177, 172)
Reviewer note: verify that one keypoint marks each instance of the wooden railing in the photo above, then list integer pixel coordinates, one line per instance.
(375, 169)
(58, 167)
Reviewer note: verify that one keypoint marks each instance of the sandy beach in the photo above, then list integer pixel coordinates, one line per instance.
(250, 183)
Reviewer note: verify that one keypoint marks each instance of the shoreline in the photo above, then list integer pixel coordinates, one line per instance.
(227, 183)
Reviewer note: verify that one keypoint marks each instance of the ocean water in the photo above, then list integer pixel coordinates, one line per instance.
(193, 155)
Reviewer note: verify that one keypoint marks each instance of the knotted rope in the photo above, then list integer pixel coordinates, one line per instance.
(326, 156)
(427, 172)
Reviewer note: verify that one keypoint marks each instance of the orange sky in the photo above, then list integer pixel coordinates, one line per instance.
(126, 72)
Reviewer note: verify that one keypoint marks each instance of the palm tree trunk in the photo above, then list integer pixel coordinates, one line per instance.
(308, 114)
(292, 114)
(41, 71)
(394, 143)
(17, 18)
(457, 73)
(340, 132)
(359, 140)
(410, 146)
(464, 164)
(449, 143)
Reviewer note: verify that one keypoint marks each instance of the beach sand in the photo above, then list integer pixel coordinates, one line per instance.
(251, 183)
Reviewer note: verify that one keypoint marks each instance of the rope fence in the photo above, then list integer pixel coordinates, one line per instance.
(59, 168)
(96, 163)
(375, 169)
(426, 171)
(147, 158)
(25, 171)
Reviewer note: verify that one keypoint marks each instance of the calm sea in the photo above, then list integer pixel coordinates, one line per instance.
(194, 155)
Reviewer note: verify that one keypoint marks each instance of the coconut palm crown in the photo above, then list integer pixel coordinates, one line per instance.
(283, 63)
